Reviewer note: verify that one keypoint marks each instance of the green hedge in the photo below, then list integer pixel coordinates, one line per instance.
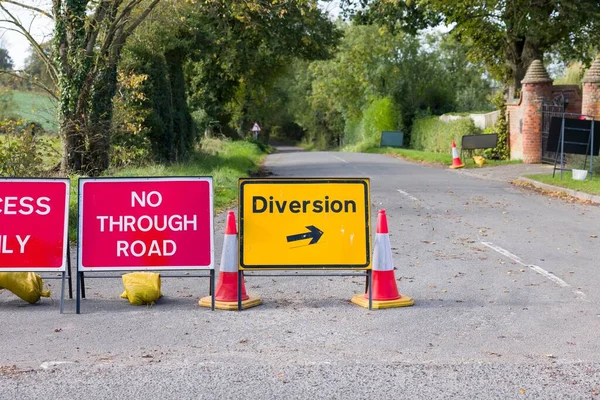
(433, 135)
(380, 115)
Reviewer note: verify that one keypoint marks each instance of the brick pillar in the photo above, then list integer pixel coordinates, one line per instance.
(591, 90)
(537, 87)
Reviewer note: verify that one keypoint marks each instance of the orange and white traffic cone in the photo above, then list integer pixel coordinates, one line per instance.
(456, 161)
(385, 292)
(226, 294)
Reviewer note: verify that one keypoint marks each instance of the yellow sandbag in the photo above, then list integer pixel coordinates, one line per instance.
(141, 287)
(27, 285)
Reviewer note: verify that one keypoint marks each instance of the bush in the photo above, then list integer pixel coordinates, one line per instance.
(130, 142)
(24, 152)
(502, 151)
(433, 135)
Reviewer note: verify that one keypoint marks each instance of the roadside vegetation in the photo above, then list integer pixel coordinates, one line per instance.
(439, 159)
(223, 159)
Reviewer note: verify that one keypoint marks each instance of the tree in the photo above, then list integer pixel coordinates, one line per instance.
(6, 63)
(89, 36)
(36, 69)
(506, 35)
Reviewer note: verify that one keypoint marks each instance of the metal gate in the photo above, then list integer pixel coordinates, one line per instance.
(554, 109)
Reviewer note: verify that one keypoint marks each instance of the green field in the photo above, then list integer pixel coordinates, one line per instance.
(36, 107)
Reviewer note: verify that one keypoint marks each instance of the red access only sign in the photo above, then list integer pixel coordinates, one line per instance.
(33, 224)
(145, 223)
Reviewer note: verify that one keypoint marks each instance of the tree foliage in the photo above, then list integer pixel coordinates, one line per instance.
(230, 55)
(506, 35)
(87, 43)
(382, 78)
(6, 63)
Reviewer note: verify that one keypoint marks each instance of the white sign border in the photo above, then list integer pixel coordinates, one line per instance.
(63, 267)
(81, 183)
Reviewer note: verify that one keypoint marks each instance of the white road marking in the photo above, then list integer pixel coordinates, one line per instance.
(410, 196)
(536, 268)
(341, 159)
(50, 364)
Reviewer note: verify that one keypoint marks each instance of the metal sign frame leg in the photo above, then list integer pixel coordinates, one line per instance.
(70, 274)
(78, 294)
(211, 289)
(64, 275)
(370, 280)
(239, 290)
(62, 292)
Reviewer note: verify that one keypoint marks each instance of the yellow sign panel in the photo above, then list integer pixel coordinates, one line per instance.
(304, 223)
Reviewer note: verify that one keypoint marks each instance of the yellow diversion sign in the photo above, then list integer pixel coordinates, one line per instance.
(304, 223)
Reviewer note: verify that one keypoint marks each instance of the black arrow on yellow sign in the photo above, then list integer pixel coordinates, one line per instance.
(314, 234)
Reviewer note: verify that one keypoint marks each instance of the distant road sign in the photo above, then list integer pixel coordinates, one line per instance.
(308, 223)
(145, 223)
(256, 127)
(34, 217)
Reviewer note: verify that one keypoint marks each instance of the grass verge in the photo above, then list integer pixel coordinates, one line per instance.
(226, 161)
(434, 158)
(588, 186)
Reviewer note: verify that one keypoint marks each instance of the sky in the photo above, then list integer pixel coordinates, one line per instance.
(39, 26)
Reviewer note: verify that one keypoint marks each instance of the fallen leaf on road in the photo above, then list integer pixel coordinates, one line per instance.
(593, 236)
(550, 356)
(492, 353)
(522, 391)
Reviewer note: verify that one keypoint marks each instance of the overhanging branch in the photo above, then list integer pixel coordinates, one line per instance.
(28, 7)
(36, 46)
(24, 75)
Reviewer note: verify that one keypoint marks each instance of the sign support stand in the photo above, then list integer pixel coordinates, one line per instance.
(368, 287)
(81, 293)
(568, 145)
(66, 274)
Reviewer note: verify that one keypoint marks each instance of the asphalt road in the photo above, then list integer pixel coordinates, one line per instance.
(506, 306)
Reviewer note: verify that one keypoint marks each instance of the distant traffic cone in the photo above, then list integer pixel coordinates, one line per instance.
(226, 294)
(456, 161)
(385, 292)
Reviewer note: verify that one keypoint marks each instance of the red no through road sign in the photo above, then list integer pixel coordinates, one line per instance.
(145, 223)
(33, 224)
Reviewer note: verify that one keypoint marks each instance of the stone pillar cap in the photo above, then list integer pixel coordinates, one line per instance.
(592, 75)
(536, 73)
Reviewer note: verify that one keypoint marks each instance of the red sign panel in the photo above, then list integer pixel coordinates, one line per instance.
(145, 223)
(33, 224)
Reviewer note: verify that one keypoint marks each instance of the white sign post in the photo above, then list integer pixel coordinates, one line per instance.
(256, 129)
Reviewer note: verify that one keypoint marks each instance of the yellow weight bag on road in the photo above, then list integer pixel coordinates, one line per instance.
(27, 285)
(141, 287)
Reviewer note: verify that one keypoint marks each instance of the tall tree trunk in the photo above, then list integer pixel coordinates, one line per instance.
(183, 124)
(521, 55)
(100, 119)
(74, 147)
